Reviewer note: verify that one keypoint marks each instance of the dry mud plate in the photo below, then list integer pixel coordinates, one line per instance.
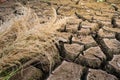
(59, 40)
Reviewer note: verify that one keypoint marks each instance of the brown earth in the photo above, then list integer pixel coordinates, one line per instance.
(59, 40)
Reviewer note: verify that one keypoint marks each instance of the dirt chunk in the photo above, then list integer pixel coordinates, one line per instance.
(105, 34)
(93, 57)
(114, 66)
(99, 75)
(112, 46)
(67, 71)
(88, 41)
(29, 73)
(73, 50)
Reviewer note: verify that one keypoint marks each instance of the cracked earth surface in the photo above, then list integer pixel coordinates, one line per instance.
(87, 46)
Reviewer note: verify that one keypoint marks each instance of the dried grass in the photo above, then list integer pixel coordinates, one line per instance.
(23, 39)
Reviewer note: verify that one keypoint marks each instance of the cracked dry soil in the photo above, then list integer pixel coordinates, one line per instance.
(60, 40)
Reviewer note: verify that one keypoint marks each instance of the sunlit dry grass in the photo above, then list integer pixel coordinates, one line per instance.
(24, 39)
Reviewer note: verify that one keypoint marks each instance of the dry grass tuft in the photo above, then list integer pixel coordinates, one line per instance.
(22, 38)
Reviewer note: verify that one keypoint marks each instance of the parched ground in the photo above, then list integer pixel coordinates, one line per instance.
(60, 40)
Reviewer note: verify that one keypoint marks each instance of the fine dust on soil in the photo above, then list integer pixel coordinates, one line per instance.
(59, 40)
